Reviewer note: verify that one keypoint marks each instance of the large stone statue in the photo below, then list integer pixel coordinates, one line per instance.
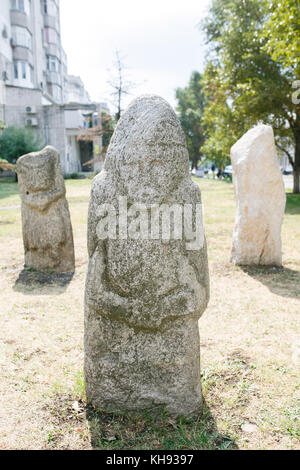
(147, 284)
(260, 198)
(47, 230)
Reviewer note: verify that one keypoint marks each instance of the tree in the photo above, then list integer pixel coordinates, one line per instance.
(191, 103)
(120, 84)
(121, 87)
(222, 128)
(282, 34)
(15, 142)
(108, 127)
(249, 77)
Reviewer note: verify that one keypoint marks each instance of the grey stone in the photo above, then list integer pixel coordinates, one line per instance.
(46, 224)
(144, 297)
(260, 198)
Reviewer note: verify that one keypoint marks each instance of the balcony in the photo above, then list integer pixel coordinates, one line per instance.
(19, 18)
(54, 77)
(51, 22)
(52, 49)
(23, 53)
(74, 119)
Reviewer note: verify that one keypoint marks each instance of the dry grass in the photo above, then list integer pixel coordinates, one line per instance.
(249, 346)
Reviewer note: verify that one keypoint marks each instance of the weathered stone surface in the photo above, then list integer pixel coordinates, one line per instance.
(144, 297)
(47, 230)
(260, 199)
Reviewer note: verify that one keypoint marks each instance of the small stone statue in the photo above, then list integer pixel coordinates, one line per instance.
(145, 289)
(46, 224)
(260, 198)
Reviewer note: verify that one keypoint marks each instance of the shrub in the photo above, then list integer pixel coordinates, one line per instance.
(74, 176)
(6, 166)
(15, 142)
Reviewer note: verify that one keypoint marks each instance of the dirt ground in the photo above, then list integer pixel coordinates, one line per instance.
(250, 343)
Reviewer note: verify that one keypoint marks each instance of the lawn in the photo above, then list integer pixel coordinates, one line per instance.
(250, 346)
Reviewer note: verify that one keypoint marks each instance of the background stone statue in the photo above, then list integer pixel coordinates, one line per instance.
(46, 224)
(260, 199)
(144, 297)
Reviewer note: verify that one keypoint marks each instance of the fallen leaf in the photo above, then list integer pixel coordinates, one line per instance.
(249, 428)
(75, 406)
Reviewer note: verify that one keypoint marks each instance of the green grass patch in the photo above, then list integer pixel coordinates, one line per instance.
(292, 203)
(9, 192)
(154, 429)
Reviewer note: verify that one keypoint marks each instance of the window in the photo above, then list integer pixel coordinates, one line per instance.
(53, 64)
(16, 72)
(31, 74)
(51, 36)
(23, 68)
(22, 36)
(21, 5)
(50, 8)
(56, 93)
(4, 32)
(23, 73)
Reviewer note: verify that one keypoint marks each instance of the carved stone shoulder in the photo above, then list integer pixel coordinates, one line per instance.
(102, 192)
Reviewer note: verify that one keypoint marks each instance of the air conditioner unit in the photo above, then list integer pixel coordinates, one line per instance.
(4, 76)
(33, 122)
(30, 109)
(13, 42)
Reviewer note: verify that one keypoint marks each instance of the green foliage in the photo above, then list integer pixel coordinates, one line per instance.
(222, 127)
(282, 32)
(191, 104)
(249, 76)
(108, 125)
(74, 176)
(15, 142)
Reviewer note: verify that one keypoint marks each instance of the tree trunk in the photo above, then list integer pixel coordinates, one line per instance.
(296, 172)
(195, 162)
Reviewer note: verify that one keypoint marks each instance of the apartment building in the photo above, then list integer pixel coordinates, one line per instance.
(35, 89)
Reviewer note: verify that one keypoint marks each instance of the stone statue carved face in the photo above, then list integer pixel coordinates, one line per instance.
(148, 153)
(37, 171)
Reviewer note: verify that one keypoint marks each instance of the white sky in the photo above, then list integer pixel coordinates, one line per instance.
(159, 39)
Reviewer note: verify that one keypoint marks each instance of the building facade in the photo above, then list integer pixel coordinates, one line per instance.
(35, 89)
